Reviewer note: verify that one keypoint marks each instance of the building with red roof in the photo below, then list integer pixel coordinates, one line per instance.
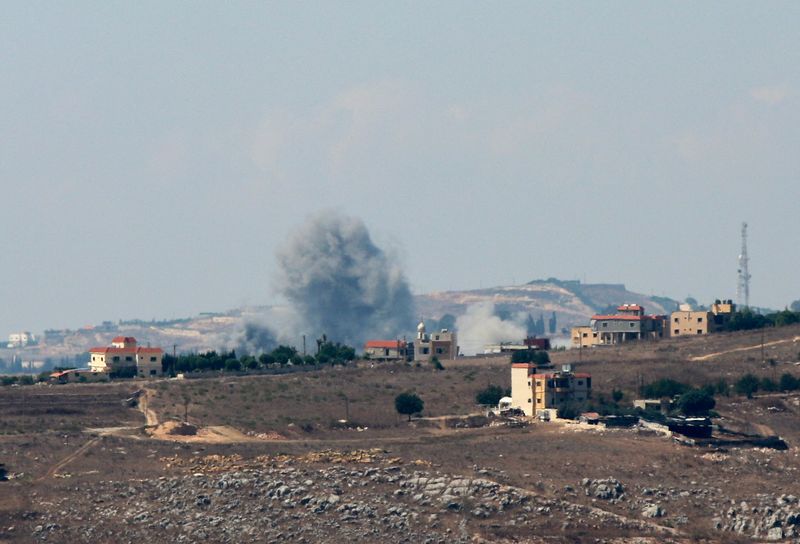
(628, 324)
(125, 356)
(388, 350)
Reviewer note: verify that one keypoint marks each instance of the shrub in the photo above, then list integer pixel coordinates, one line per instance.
(617, 395)
(437, 364)
(491, 395)
(696, 402)
(789, 382)
(768, 384)
(664, 388)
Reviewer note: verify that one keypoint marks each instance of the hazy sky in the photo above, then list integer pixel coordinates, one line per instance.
(153, 155)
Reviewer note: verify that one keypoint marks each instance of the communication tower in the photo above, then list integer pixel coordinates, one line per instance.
(743, 287)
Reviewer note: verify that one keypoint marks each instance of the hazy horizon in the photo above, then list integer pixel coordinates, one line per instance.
(156, 156)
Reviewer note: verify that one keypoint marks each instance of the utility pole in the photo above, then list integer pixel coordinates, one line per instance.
(304, 345)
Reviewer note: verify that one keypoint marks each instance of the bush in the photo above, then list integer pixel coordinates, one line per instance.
(696, 402)
(535, 356)
(123, 373)
(437, 364)
(617, 395)
(408, 404)
(768, 384)
(789, 382)
(233, 365)
(664, 388)
(490, 396)
(747, 385)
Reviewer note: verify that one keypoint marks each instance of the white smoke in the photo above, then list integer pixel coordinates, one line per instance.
(341, 284)
(480, 326)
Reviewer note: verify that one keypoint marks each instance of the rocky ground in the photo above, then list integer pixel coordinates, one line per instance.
(361, 496)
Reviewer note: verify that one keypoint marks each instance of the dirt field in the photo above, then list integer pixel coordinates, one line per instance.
(88, 467)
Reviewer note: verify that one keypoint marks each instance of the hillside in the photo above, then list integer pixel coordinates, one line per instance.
(270, 459)
(572, 301)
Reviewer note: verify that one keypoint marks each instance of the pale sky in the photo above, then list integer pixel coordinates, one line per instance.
(154, 155)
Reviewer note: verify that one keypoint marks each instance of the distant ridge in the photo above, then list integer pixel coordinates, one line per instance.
(572, 301)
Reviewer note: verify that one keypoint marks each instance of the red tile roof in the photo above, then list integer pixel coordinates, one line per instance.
(383, 344)
(125, 339)
(112, 350)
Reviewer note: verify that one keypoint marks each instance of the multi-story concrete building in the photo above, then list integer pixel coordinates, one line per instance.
(629, 323)
(689, 322)
(584, 337)
(442, 344)
(532, 391)
(124, 355)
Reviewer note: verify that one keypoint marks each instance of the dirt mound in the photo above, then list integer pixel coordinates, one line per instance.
(179, 428)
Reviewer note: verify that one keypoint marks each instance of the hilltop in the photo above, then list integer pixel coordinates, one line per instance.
(572, 301)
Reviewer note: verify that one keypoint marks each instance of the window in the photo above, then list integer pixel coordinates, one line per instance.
(677, 331)
(538, 401)
(437, 337)
(116, 358)
(605, 324)
(93, 358)
(439, 350)
(585, 334)
(580, 382)
(128, 358)
(594, 335)
(538, 383)
(529, 383)
(153, 372)
(632, 324)
(699, 319)
(699, 331)
(152, 359)
(676, 320)
(529, 401)
(426, 351)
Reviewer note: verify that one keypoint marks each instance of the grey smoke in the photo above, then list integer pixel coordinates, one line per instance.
(342, 284)
(480, 326)
(256, 339)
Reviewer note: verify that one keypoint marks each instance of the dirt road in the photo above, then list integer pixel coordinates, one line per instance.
(747, 348)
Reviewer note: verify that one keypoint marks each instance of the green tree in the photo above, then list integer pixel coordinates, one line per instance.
(617, 395)
(664, 387)
(233, 365)
(789, 382)
(747, 385)
(696, 402)
(491, 395)
(408, 404)
(437, 364)
(768, 384)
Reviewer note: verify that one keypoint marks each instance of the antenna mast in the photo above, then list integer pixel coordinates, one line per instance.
(743, 287)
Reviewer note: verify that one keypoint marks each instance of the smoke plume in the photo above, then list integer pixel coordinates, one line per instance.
(256, 339)
(480, 326)
(342, 284)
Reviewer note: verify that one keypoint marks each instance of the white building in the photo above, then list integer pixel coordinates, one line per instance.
(20, 339)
